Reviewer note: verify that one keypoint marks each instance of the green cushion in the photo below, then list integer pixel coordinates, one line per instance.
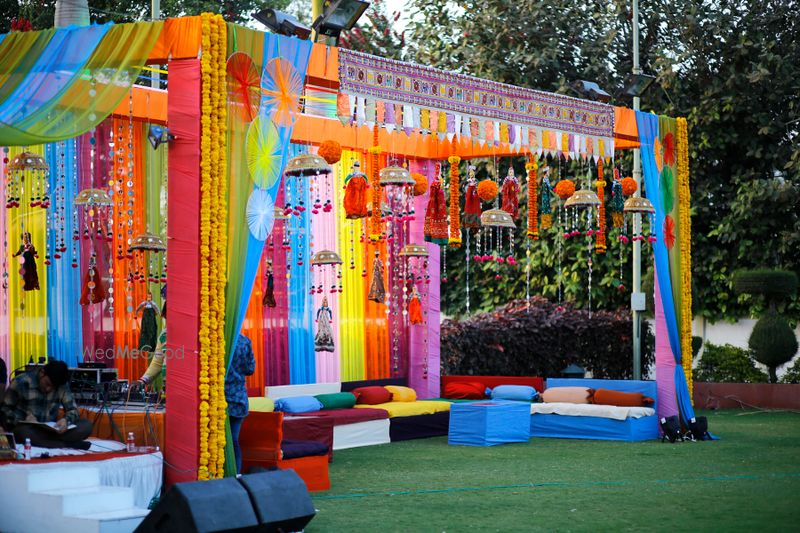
(337, 400)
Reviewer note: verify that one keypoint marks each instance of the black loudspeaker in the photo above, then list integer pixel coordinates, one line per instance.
(280, 499)
(274, 501)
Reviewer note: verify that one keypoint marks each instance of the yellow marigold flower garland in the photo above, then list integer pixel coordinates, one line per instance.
(455, 202)
(600, 236)
(684, 216)
(533, 203)
(376, 229)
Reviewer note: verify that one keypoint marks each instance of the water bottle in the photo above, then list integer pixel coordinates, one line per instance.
(28, 449)
(131, 442)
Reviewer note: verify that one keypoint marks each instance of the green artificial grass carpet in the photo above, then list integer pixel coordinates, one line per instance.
(750, 479)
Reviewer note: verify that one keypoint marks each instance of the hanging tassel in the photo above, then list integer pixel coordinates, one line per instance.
(600, 236)
(533, 205)
(376, 231)
(415, 309)
(455, 203)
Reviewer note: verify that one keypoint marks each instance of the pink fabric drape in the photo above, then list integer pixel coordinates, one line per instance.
(324, 230)
(665, 362)
(426, 387)
(5, 350)
(183, 258)
(276, 319)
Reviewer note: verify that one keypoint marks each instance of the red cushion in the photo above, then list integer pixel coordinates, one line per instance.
(465, 390)
(621, 399)
(372, 395)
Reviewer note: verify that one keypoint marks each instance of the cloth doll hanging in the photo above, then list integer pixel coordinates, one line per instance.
(472, 204)
(355, 194)
(415, 308)
(511, 194)
(323, 341)
(27, 258)
(436, 215)
(93, 290)
(269, 293)
(148, 332)
(377, 289)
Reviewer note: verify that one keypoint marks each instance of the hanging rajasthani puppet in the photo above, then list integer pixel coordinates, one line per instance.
(415, 307)
(29, 255)
(617, 201)
(545, 199)
(436, 215)
(472, 204)
(93, 290)
(269, 293)
(148, 332)
(355, 194)
(323, 341)
(377, 289)
(511, 194)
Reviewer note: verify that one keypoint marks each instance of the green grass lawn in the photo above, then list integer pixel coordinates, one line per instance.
(748, 480)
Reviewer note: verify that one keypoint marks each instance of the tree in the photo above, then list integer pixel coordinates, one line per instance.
(375, 33)
(731, 67)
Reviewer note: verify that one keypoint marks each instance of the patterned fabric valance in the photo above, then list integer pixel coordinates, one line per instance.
(435, 101)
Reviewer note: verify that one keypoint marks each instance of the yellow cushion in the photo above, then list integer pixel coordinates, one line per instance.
(260, 404)
(402, 394)
(424, 407)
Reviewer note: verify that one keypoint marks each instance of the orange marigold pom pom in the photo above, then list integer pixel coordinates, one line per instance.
(330, 151)
(565, 189)
(420, 184)
(629, 186)
(487, 190)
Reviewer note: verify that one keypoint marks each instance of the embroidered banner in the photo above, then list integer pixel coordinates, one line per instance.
(405, 83)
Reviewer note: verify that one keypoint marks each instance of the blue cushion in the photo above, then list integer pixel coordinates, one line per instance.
(298, 404)
(292, 449)
(522, 393)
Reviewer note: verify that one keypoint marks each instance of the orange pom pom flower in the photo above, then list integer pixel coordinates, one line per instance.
(487, 190)
(628, 186)
(565, 189)
(420, 183)
(330, 151)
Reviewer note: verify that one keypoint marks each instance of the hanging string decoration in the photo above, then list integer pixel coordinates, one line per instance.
(328, 265)
(415, 274)
(375, 226)
(145, 246)
(511, 194)
(545, 202)
(600, 234)
(685, 220)
(35, 169)
(533, 204)
(455, 202)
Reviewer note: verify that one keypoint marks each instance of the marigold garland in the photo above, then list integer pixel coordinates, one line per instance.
(629, 186)
(487, 190)
(600, 235)
(330, 151)
(376, 231)
(684, 207)
(213, 249)
(455, 203)
(565, 189)
(533, 204)
(420, 184)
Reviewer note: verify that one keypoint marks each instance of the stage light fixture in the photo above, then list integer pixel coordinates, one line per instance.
(339, 16)
(637, 84)
(282, 23)
(591, 91)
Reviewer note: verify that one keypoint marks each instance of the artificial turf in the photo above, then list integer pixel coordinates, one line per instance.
(747, 480)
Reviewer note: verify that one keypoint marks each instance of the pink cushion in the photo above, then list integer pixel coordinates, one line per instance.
(372, 395)
(567, 395)
(465, 390)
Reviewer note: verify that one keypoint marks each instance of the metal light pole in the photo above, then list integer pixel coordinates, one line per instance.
(155, 14)
(637, 296)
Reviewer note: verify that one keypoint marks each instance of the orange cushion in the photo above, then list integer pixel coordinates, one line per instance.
(567, 395)
(372, 395)
(465, 390)
(622, 399)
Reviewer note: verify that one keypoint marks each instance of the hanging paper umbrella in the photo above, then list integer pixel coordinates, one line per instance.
(282, 87)
(244, 87)
(263, 153)
(260, 214)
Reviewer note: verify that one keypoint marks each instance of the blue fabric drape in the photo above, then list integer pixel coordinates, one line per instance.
(56, 69)
(297, 53)
(64, 326)
(302, 358)
(682, 394)
(648, 132)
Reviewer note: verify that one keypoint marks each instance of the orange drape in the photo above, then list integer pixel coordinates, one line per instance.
(252, 329)
(131, 364)
(180, 39)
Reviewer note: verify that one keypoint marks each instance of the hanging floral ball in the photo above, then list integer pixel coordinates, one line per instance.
(565, 189)
(487, 190)
(629, 186)
(330, 151)
(420, 184)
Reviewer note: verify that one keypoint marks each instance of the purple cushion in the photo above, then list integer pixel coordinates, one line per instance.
(292, 449)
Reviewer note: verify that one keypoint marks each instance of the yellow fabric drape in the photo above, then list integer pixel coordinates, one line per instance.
(27, 309)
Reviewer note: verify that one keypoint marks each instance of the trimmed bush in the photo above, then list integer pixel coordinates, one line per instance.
(727, 364)
(541, 341)
(773, 343)
(775, 285)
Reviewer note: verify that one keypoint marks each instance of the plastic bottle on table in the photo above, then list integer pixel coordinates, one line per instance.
(131, 442)
(28, 449)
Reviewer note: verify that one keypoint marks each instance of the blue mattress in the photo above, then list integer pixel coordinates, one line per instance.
(596, 428)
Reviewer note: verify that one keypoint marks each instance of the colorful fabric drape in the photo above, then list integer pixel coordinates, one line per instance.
(5, 354)
(252, 328)
(276, 319)
(64, 327)
(43, 93)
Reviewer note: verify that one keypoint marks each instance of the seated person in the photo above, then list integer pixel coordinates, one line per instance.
(38, 396)
(3, 379)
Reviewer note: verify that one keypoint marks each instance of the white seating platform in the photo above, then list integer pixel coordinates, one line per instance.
(100, 496)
